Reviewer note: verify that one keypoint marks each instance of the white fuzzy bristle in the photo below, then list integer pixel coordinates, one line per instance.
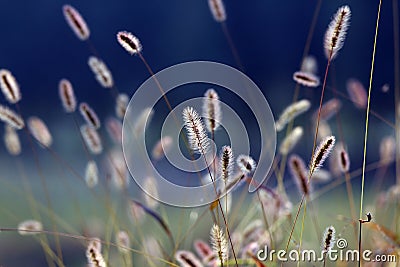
(196, 132)
(30, 227)
(102, 73)
(91, 174)
(129, 42)
(11, 118)
(92, 139)
(161, 147)
(336, 33)
(217, 9)
(211, 110)
(39, 131)
(9, 86)
(76, 22)
(299, 173)
(67, 95)
(291, 140)
(291, 112)
(328, 240)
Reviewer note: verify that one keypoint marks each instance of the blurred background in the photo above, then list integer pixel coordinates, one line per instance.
(39, 48)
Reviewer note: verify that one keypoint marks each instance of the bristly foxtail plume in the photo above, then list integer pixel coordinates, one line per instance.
(321, 176)
(94, 256)
(123, 242)
(227, 163)
(321, 153)
(39, 131)
(151, 194)
(196, 132)
(187, 259)
(328, 240)
(219, 243)
(129, 42)
(387, 150)
(291, 112)
(76, 22)
(343, 158)
(291, 140)
(9, 86)
(246, 164)
(217, 9)
(143, 121)
(11, 141)
(121, 104)
(336, 33)
(329, 109)
(89, 115)
(205, 252)
(152, 250)
(92, 139)
(306, 79)
(11, 118)
(102, 73)
(30, 227)
(67, 96)
(299, 174)
(117, 169)
(91, 174)
(211, 110)
(114, 129)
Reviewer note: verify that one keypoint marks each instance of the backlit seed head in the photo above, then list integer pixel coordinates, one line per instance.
(11, 118)
(328, 240)
(217, 9)
(67, 95)
(12, 141)
(76, 22)
(39, 131)
(196, 133)
(336, 33)
(30, 227)
(246, 164)
(89, 115)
